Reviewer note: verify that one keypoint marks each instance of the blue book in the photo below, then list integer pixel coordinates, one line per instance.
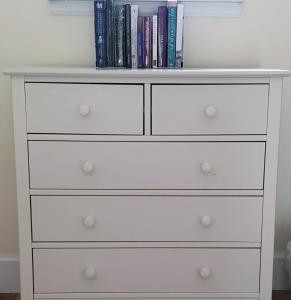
(100, 12)
(140, 42)
(172, 25)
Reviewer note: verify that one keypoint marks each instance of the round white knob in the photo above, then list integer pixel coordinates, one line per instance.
(89, 221)
(84, 110)
(210, 111)
(206, 221)
(88, 167)
(205, 272)
(206, 167)
(90, 273)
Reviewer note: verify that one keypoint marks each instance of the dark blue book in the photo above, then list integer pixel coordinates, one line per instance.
(100, 12)
(110, 34)
(172, 25)
(128, 35)
(119, 16)
(162, 36)
(140, 42)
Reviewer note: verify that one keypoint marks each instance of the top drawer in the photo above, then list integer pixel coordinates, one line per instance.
(84, 108)
(209, 109)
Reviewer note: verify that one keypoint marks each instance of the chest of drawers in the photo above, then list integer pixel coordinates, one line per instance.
(146, 184)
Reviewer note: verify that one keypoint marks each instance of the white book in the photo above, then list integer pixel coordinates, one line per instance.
(155, 42)
(134, 16)
(179, 35)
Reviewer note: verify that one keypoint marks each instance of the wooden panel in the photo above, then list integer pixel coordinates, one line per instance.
(133, 218)
(126, 165)
(146, 270)
(84, 108)
(209, 109)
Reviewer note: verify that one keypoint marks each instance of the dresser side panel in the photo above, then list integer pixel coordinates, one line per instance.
(271, 165)
(22, 178)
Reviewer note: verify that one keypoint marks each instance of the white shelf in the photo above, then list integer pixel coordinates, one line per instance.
(193, 8)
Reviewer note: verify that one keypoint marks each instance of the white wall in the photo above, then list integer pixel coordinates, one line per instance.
(29, 35)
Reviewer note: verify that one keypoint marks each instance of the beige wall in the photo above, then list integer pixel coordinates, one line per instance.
(29, 35)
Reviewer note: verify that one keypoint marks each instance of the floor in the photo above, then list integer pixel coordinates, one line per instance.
(278, 295)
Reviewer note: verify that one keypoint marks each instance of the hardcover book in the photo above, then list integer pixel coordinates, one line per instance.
(147, 36)
(162, 36)
(110, 34)
(134, 16)
(120, 60)
(140, 42)
(155, 41)
(128, 35)
(172, 24)
(179, 36)
(100, 12)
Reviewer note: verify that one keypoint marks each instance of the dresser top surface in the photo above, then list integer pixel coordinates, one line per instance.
(143, 73)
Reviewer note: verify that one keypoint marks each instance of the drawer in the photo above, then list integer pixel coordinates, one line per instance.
(146, 165)
(209, 109)
(84, 108)
(146, 218)
(146, 270)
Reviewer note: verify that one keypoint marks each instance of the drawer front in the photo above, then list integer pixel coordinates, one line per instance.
(209, 109)
(146, 218)
(84, 108)
(146, 270)
(146, 165)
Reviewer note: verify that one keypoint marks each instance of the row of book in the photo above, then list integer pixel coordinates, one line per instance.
(126, 39)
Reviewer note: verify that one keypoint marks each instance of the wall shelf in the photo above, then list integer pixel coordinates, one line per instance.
(193, 8)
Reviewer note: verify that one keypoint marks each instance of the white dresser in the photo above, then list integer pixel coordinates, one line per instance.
(156, 184)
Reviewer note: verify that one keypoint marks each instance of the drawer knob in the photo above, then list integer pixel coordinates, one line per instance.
(206, 221)
(84, 110)
(205, 272)
(89, 221)
(90, 273)
(206, 167)
(210, 111)
(88, 167)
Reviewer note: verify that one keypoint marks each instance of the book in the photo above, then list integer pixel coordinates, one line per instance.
(128, 35)
(172, 23)
(147, 35)
(134, 17)
(119, 29)
(140, 42)
(100, 13)
(155, 41)
(110, 35)
(179, 35)
(162, 36)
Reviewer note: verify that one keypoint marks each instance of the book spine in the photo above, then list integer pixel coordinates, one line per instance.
(120, 36)
(172, 23)
(140, 42)
(179, 37)
(147, 60)
(128, 35)
(162, 36)
(110, 42)
(134, 16)
(100, 13)
(155, 41)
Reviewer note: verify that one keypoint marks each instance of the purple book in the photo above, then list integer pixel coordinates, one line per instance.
(162, 36)
(147, 47)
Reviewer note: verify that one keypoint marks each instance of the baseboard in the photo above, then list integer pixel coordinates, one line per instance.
(9, 273)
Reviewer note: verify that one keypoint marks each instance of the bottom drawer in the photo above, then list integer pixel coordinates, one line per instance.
(152, 270)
